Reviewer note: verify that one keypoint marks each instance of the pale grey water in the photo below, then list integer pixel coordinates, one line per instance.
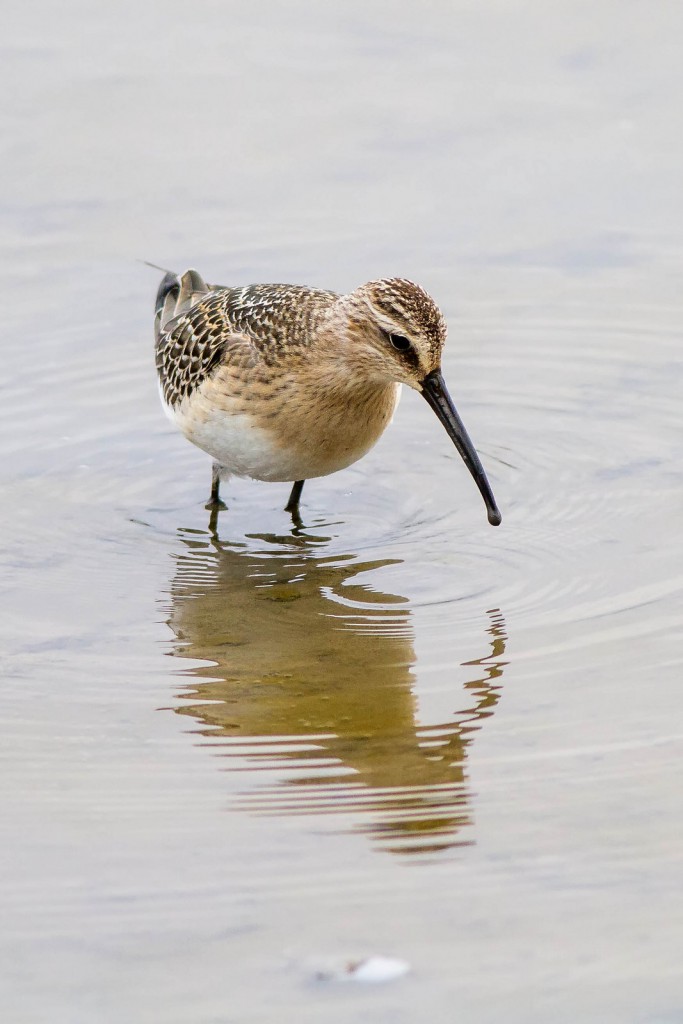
(228, 760)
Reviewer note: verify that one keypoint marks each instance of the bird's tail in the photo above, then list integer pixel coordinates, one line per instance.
(176, 294)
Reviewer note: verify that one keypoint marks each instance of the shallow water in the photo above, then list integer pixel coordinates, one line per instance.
(236, 760)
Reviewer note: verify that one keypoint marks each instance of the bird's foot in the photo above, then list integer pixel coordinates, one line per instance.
(215, 505)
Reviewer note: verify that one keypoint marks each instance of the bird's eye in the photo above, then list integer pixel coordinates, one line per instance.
(399, 342)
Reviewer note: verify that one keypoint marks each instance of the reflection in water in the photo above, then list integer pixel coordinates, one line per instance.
(310, 683)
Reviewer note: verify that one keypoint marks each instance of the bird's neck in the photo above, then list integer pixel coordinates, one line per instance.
(345, 368)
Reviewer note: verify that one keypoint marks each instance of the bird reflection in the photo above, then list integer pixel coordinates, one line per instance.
(309, 687)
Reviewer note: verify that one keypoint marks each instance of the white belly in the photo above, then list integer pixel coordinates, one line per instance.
(241, 446)
(235, 442)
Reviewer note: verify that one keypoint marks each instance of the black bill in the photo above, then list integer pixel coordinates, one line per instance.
(434, 390)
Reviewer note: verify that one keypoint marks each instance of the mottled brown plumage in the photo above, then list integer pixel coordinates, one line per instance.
(282, 382)
(245, 326)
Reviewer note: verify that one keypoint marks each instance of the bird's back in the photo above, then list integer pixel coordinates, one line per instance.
(198, 325)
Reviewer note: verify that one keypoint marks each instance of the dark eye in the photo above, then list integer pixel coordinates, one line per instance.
(399, 342)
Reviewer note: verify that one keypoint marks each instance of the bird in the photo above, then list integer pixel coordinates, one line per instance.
(281, 382)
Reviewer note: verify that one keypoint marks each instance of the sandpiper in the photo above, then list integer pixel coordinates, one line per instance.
(283, 382)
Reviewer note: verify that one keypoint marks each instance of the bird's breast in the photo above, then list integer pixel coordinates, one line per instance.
(291, 433)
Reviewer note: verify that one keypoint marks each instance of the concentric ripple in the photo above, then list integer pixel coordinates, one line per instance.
(308, 686)
(317, 643)
(310, 673)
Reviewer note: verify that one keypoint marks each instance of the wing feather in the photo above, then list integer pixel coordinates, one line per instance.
(193, 345)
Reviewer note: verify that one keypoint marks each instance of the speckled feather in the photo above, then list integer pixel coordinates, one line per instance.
(244, 327)
(282, 382)
(405, 304)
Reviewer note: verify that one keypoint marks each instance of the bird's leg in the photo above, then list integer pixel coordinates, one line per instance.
(214, 503)
(213, 521)
(293, 503)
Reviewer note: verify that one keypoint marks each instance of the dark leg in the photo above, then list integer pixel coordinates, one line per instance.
(214, 503)
(213, 521)
(293, 503)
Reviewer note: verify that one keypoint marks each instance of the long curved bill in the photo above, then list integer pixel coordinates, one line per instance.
(435, 392)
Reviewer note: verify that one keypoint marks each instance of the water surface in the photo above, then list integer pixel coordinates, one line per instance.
(233, 753)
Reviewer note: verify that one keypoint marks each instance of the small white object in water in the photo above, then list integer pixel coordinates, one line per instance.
(378, 968)
(371, 969)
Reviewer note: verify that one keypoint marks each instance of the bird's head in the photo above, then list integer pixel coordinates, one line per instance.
(396, 329)
(395, 332)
